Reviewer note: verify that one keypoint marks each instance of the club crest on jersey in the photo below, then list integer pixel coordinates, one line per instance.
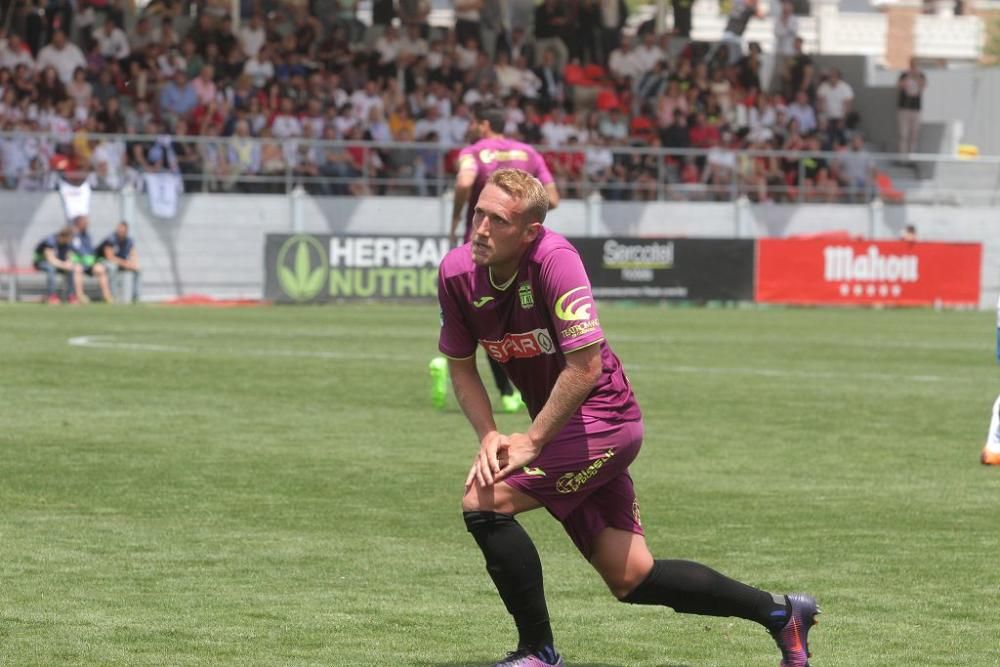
(520, 345)
(526, 295)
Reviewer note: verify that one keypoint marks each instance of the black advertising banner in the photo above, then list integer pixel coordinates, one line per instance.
(315, 268)
(683, 269)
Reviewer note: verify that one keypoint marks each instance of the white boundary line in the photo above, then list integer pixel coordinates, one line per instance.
(110, 342)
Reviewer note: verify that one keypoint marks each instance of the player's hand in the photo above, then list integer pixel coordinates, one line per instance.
(486, 464)
(516, 451)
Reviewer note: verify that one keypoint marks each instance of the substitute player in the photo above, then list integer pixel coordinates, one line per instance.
(540, 321)
(491, 152)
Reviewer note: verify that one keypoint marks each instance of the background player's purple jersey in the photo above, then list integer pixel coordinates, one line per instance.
(529, 324)
(489, 155)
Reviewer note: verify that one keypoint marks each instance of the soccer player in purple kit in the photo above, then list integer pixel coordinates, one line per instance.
(521, 292)
(490, 152)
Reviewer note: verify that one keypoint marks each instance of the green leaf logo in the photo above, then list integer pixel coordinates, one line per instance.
(302, 267)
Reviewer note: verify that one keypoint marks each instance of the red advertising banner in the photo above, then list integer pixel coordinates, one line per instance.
(827, 271)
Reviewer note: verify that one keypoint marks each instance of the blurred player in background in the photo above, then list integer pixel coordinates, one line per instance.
(991, 450)
(522, 293)
(54, 256)
(117, 255)
(491, 152)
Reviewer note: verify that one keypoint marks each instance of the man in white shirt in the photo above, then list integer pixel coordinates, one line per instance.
(412, 45)
(648, 53)
(252, 36)
(112, 43)
(15, 52)
(62, 54)
(557, 130)
(835, 97)
(622, 62)
(259, 68)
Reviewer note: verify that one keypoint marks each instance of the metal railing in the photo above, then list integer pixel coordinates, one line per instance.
(33, 161)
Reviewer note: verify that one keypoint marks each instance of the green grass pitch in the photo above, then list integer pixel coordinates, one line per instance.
(270, 486)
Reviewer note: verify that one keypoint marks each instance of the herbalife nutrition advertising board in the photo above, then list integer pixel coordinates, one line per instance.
(315, 268)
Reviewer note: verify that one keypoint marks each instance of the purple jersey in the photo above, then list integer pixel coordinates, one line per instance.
(489, 155)
(531, 322)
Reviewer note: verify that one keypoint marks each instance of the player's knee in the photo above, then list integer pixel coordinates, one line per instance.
(622, 587)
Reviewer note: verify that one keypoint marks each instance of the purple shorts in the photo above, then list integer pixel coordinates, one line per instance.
(581, 478)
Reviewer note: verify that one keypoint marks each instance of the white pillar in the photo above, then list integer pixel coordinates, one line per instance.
(827, 13)
(296, 200)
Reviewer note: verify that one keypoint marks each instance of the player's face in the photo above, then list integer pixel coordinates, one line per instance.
(500, 235)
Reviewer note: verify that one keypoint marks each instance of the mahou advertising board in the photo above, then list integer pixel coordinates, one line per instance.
(829, 272)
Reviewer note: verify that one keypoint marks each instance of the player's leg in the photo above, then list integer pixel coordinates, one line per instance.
(634, 576)
(514, 566)
(99, 272)
(991, 450)
(510, 398)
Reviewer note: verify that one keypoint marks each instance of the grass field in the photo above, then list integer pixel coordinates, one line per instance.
(271, 487)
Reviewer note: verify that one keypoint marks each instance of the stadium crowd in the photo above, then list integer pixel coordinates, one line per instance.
(593, 96)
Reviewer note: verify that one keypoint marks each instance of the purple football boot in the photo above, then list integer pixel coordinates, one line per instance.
(793, 639)
(525, 658)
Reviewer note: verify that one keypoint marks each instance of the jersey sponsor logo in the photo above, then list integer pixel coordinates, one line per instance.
(526, 296)
(581, 329)
(482, 301)
(489, 155)
(534, 472)
(576, 310)
(572, 482)
(519, 345)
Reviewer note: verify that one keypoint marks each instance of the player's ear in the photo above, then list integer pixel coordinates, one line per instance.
(531, 231)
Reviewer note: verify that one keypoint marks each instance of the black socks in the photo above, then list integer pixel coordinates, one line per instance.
(692, 588)
(514, 566)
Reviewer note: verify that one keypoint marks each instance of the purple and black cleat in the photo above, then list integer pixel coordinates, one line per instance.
(793, 639)
(525, 658)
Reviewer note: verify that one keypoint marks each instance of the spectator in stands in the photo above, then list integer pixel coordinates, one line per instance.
(682, 17)
(855, 170)
(112, 43)
(178, 98)
(909, 234)
(53, 255)
(552, 21)
(260, 68)
(834, 98)
(117, 255)
(786, 29)
(62, 55)
(622, 63)
(803, 113)
(467, 15)
(521, 43)
(800, 72)
(252, 36)
(911, 85)
(740, 13)
(15, 52)
(614, 13)
(204, 86)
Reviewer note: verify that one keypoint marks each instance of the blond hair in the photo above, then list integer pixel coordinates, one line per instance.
(525, 188)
